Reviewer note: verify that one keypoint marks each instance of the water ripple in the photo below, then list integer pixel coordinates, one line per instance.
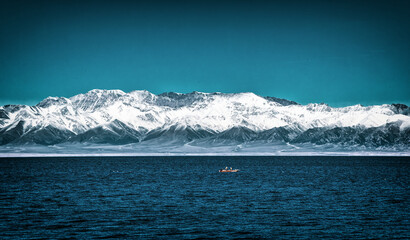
(187, 198)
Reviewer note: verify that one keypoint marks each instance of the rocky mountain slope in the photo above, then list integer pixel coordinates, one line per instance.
(116, 117)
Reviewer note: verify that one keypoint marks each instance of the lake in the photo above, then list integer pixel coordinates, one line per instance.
(187, 198)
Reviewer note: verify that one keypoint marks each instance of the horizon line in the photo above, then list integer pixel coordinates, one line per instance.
(212, 154)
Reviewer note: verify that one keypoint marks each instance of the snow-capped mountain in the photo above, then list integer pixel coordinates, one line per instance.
(116, 117)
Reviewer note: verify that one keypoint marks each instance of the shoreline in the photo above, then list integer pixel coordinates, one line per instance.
(287, 154)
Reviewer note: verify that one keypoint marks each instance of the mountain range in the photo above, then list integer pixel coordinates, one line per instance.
(113, 117)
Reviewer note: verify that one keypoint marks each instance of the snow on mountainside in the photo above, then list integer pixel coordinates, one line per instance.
(116, 117)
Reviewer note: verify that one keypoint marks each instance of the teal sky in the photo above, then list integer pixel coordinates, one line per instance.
(337, 52)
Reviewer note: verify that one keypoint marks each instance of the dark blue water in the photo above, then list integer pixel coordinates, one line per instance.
(187, 198)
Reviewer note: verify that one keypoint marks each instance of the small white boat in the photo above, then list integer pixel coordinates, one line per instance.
(228, 170)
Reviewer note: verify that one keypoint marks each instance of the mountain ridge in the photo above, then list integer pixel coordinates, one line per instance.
(116, 117)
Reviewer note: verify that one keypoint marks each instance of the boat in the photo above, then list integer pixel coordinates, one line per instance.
(228, 170)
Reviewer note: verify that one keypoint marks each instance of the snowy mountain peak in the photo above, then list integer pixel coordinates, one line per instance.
(113, 116)
(53, 101)
(104, 91)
